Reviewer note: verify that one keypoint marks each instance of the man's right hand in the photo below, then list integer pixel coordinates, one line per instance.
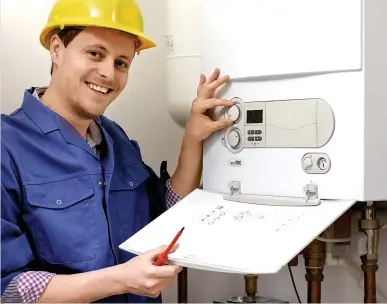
(141, 277)
(137, 276)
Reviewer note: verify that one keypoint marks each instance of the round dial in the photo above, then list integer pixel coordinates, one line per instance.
(233, 113)
(307, 163)
(233, 139)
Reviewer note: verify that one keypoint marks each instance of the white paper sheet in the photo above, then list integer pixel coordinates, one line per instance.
(227, 236)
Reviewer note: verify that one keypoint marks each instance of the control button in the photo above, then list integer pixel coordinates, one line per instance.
(322, 163)
(250, 132)
(258, 138)
(251, 138)
(233, 139)
(307, 163)
(258, 131)
(233, 113)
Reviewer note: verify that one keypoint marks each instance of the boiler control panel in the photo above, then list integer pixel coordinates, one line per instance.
(293, 123)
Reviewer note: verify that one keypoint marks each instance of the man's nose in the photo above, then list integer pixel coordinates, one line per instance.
(107, 69)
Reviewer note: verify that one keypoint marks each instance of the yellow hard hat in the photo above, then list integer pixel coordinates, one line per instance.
(123, 15)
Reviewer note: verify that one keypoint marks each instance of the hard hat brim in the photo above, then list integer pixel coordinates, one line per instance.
(50, 29)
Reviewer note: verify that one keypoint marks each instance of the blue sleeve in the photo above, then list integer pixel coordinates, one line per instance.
(16, 253)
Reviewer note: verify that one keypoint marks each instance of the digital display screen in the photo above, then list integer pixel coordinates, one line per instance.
(254, 116)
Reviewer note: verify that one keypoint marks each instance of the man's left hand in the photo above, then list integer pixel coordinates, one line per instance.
(199, 125)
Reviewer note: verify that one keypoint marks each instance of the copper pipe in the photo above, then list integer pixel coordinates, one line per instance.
(369, 268)
(314, 292)
(182, 288)
(314, 256)
(370, 225)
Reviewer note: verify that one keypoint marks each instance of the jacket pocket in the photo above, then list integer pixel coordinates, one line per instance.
(131, 202)
(61, 220)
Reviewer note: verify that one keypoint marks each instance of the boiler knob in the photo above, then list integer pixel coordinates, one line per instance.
(234, 139)
(233, 113)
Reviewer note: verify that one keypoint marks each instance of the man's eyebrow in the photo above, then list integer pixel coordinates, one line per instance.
(101, 47)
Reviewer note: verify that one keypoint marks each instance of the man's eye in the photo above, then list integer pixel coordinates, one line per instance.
(95, 54)
(122, 64)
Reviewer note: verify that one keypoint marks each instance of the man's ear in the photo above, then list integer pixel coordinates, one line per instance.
(56, 46)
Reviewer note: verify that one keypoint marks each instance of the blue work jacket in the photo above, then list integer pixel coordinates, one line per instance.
(63, 209)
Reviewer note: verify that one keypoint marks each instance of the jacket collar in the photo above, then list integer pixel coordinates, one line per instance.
(48, 121)
(42, 116)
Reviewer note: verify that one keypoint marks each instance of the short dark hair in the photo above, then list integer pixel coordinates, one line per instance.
(66, 36)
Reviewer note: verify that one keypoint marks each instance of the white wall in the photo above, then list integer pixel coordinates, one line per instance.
(142, 111)
(23, 62)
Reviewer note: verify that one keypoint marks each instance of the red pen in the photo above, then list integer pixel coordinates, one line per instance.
(163, 257)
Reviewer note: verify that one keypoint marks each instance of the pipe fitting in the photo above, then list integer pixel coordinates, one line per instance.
(369, 224)
(314, 256)
(251, 285)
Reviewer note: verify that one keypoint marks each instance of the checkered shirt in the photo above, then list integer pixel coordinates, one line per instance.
(28, 286)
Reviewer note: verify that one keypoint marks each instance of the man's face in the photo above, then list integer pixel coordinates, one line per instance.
(92, 70)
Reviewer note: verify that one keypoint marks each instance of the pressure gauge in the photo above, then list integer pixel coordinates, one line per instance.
(307, 163)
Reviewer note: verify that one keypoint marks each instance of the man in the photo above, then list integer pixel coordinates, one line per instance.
(74, 185)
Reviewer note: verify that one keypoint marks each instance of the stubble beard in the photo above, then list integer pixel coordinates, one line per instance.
(81, 113)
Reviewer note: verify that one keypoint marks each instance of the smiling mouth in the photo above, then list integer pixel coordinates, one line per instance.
(98, 88)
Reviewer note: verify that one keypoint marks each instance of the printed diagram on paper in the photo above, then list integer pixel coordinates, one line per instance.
(214, 216)
(272, 221)
(219, 213)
